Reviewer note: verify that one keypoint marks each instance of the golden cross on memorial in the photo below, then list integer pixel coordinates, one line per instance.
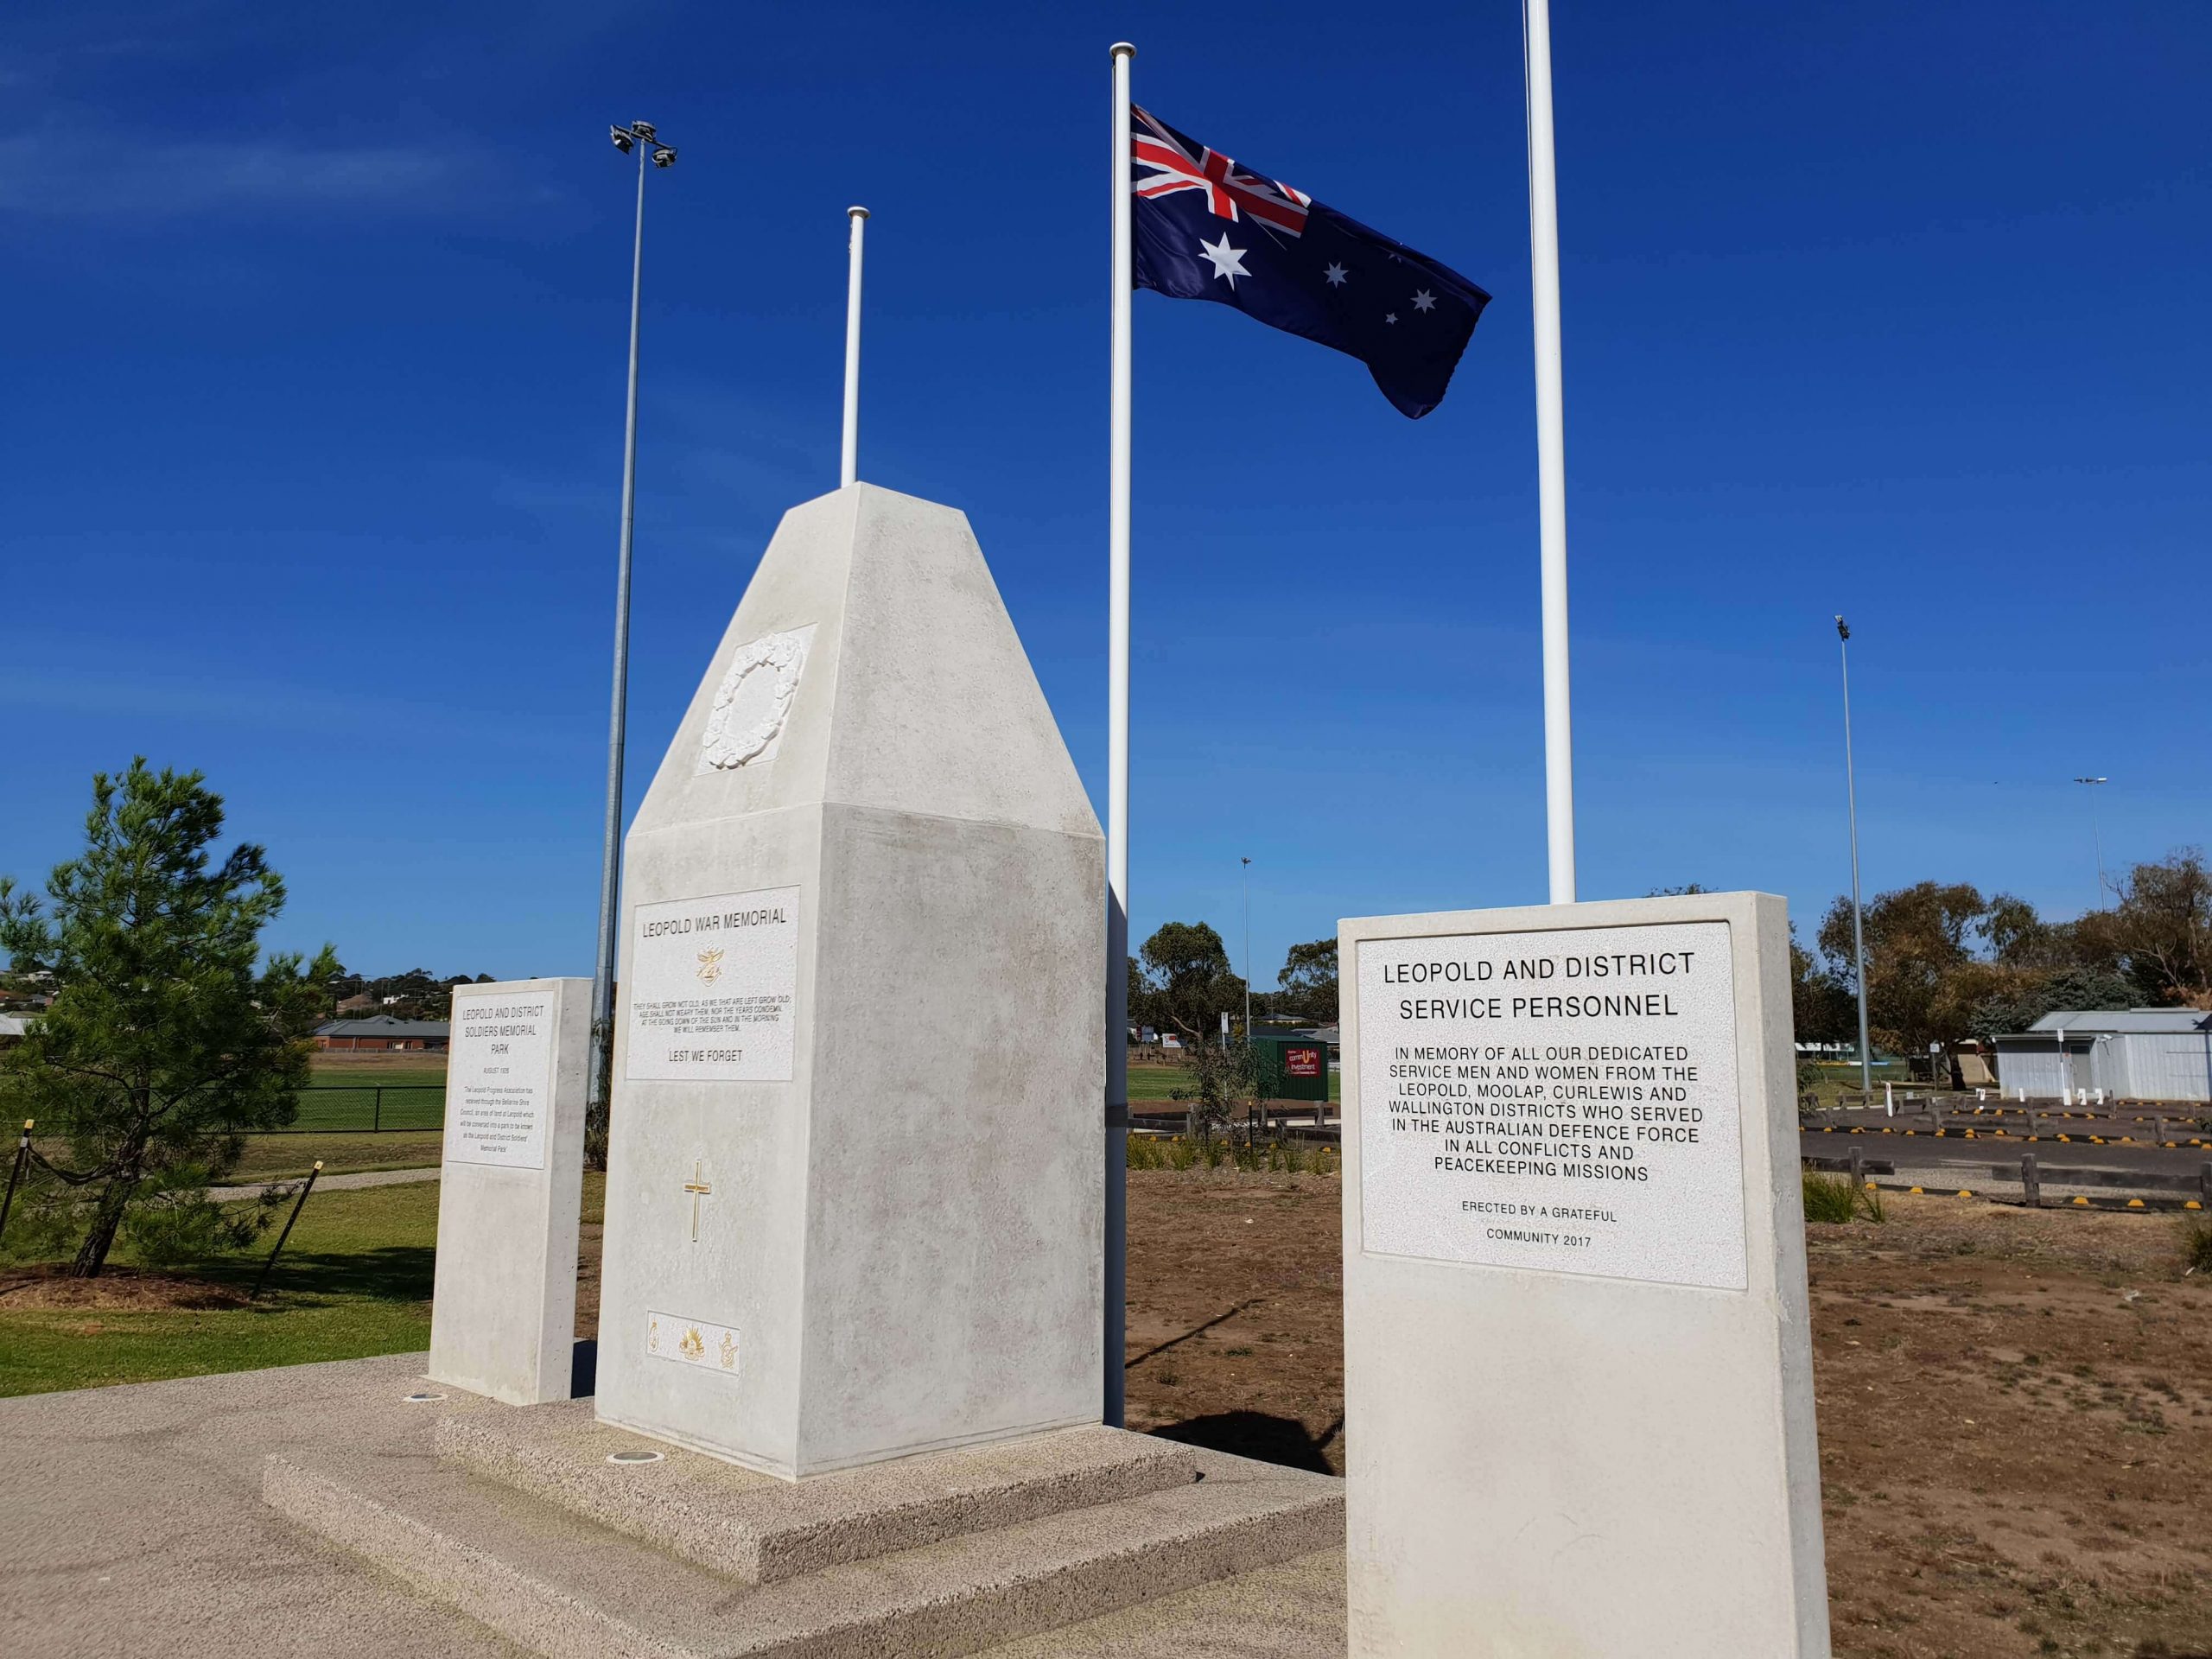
(698, 1188)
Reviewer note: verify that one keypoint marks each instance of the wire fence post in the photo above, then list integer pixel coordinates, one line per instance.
(376, 1117)
(16, 1172)
(298, 1206)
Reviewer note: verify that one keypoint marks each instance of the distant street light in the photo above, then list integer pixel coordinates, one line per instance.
(1857, 921)
(1247, 949)
(640, 137)
(2097, 834)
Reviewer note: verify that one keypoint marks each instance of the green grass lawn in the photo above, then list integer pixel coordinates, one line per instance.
(282, 1157)
(1158, 1084)
(345, 1101)
(354, 1280)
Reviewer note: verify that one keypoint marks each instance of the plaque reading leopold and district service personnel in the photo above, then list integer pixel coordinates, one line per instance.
(713, 988)
(1563, 1101)
(499, 1080)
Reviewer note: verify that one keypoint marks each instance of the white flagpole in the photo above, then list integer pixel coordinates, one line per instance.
(1114, 1328)
(1551, 449)
(848, 471)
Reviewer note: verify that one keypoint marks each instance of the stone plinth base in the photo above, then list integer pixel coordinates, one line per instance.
(520, 1521)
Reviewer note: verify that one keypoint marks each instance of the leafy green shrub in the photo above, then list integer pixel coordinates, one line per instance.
(185, 1225)
(1833, 1199)
(1828, 1197)
(2197, 1246)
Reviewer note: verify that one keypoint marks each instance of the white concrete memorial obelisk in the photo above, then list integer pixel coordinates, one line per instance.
(854, 1185)
(1578, 1371)
(504, 1314)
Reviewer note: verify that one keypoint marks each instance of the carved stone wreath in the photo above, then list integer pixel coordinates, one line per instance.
(782, 655)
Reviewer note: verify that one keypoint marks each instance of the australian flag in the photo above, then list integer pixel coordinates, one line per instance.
(1207, 228)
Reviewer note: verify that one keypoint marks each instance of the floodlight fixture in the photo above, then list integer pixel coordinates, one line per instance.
(621, 137)
(1842, 629)
(663, 156)
(644, 129)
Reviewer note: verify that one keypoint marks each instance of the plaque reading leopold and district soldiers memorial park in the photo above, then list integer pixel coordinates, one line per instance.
(714, 983)
(500, 1078)
(1556, 1100)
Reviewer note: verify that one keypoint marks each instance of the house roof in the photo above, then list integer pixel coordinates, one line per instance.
(11, 1025)
(2165, 1022)
(385, 1025)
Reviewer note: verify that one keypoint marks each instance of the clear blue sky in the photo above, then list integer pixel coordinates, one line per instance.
(314, 365)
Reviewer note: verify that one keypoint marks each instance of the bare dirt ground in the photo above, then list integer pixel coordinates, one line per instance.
(2015, 1407)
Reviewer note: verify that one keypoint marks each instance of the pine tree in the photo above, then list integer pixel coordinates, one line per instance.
(165, 1040)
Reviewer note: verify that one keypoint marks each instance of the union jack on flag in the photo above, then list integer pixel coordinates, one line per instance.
(1228, 186)
(1206, 228)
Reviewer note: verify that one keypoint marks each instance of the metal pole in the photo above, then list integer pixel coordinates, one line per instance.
(16, 1173)
(2097, 835)
(848, 470)
(1247, 950)
(1115, 1324)
(1551, 449)
(610, 863)
(1858, 922)
(300, 1205)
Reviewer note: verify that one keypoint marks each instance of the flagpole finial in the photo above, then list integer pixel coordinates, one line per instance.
(856, 213)
(1122, 49)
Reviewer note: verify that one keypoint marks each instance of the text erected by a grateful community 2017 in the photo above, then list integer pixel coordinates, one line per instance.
(1563, 1101)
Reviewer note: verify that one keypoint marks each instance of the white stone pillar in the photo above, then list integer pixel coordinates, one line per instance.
(503, 1322)
(1578, 1389)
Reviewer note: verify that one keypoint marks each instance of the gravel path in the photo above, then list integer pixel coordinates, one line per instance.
(332, 1183)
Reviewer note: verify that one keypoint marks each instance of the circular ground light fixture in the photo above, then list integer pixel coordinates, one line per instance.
(634, 1457)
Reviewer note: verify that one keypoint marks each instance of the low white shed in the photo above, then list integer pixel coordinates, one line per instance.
(2162, 1054)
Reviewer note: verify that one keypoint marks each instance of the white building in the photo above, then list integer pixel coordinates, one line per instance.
(2131, 1054)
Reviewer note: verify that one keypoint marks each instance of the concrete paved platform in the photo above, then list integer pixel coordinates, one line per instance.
(132, 1522)
(562, 1586)
(757, 1529)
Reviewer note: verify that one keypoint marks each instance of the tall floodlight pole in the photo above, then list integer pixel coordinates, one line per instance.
(2097, 835)
(1858, 923)
(848, 469)
(1551, 449)
(1115, 1323)
(1247, 950)
(640, 136)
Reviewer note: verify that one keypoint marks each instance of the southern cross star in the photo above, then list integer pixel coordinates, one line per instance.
(1228, 262)
(1424, 300)
(1336, 274)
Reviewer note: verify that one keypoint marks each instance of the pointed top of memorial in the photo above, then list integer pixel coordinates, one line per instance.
(871, 664)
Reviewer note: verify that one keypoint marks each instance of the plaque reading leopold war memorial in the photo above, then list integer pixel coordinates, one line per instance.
(712, 988)
(1564, 1101)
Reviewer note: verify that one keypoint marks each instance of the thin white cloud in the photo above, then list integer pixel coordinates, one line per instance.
(97, 176)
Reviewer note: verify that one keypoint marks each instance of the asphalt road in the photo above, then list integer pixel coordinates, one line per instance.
(1986, 1154)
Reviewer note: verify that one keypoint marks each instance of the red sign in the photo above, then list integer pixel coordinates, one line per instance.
(1302, 1062)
